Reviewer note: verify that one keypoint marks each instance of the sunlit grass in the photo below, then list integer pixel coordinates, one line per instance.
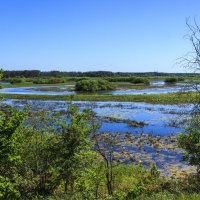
(170, 98)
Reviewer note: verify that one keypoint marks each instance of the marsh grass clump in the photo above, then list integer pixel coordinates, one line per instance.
(92, 85)
(138, 80)
(171, 80)
(16, 80)
(132, 123)
(48, 80)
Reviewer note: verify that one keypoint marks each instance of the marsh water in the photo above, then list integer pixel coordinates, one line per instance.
(67, 89)
(159, 120)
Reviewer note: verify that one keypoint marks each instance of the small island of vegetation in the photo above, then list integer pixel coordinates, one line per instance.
(91, 85)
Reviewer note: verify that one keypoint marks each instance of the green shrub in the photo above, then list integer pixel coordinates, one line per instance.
(190, 141)
(7, 189)
(48, 80)
(171, 80)
(137, 80)
(93, 85)
(39, 81)
(180, 79)
(15, 80)
(55, 81)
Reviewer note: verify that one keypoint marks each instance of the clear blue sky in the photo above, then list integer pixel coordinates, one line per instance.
(83, 35)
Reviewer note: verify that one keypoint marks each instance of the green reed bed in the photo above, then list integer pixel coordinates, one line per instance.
(170, 98)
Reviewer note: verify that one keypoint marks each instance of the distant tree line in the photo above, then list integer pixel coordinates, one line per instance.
(38, 73)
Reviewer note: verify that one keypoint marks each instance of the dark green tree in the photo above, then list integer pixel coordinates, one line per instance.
(74, 145)
(10, 120)
(190, 141)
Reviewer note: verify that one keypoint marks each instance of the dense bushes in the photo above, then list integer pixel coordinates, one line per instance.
(170, 80)
(43, 154)
(119, 79)
(190, 141)
(48, 81)
(92, 85)
(180, 79)
(137, 80)
(36, 158)
(15, 80)
(8, 190)
(131, 79)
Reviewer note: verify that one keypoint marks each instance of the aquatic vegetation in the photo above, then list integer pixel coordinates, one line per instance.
(169, 98)
(147, 149)
(132, 123)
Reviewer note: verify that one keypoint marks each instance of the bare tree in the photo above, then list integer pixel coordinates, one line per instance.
(191, 62)
(106, 144)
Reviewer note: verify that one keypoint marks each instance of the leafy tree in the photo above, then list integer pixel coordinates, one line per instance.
(190, 141)
(35, 141)
(55, 151)
(10, 120)
(74, 146)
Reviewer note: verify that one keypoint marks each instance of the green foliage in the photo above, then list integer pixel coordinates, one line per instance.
(53, 153)
(171, 80)
(16, 80)
(169, 196)
(180, 79)
(93, 85)
(10, 120)
(45, 154)
(37, 73)
(190, 141)
(74, 146)
(168, 98)
(131, 79)
(1, 74)
(137, 80)
(48, 80)
(8, 190)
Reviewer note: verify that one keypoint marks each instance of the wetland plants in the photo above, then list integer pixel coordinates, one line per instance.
(91, 85)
